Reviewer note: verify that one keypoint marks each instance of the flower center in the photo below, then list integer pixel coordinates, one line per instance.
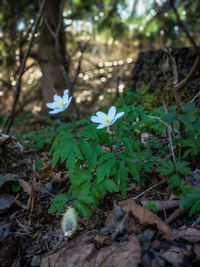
(62, 103)
(107, 120)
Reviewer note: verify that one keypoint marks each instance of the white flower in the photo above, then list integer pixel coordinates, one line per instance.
(106, 120)
(60, 103)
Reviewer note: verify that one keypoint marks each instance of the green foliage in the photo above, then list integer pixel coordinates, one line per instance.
(191, 200)
(58, 203)
(100, 163)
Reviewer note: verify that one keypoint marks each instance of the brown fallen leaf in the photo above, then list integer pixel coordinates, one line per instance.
(165, 204)
(120, 254)
(82, 252)
(177, 255)
(191, 234)
(144, 216)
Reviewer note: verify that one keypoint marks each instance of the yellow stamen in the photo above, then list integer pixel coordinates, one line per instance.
(107, 120)
(62, 103)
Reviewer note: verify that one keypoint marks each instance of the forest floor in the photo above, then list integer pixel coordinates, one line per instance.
(121, 232)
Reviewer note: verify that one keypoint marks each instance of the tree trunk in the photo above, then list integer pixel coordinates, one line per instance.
(50, 59)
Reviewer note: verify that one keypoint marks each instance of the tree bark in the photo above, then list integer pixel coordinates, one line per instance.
(52, 76)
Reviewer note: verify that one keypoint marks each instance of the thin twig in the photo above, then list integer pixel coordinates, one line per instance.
(141, 194)
(10, 118)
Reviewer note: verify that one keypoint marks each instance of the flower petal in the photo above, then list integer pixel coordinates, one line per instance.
(57, 110)
(66, 92)
(112, 112)
(57, 98)
(96, 119)
(120, 114)
(66, 97)
(103, 125)
(67, 104)
(101, 115)
(51, 105)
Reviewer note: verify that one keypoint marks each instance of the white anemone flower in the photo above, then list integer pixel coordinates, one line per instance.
(106, 120)
(60, 103)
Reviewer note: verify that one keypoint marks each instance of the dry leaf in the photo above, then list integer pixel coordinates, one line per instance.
(120, 254)
(82, 252)
(191, 234)
(145, 216)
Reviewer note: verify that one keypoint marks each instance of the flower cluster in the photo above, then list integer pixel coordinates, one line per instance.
(104, 120)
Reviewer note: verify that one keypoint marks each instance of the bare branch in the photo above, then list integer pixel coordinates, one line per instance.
(197, 61)
(10, 118)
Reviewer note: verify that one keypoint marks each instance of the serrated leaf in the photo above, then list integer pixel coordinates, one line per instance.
(77, 150)
(70, 163)
(110, 186)
(79, 176)
(82, 208)
(55, 158)
(182, 167)
(166, 168)
(58, 203)
(104, 170)
(174, 180)
(89, 152)
(106, 156)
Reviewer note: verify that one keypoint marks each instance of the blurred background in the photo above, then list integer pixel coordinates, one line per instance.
(90, 47)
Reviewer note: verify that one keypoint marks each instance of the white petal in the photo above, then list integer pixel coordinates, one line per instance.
(57, 110)
(118, 115)
(66, 97)
(57, 99)
(101, 115)
(102, 126)
(112, 112)
(67, 104)
(96, 119)
(66, 92)
(51, 105)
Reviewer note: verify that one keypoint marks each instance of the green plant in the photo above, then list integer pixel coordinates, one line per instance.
(100, 162)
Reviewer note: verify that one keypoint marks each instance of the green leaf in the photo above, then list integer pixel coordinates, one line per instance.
(55, 159)
(191, 200)
(77, 150)
(132, 167)
(106, 156)
(151, 205)
(82, 208)
(89, 152)
(38, 164)
(110, 186)
(166, 168)
(174, 180)
(70, 163)
(190, 107)
(79, 176)
(182, 167)
(169, 117)
(58, 203)
(104, 169)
